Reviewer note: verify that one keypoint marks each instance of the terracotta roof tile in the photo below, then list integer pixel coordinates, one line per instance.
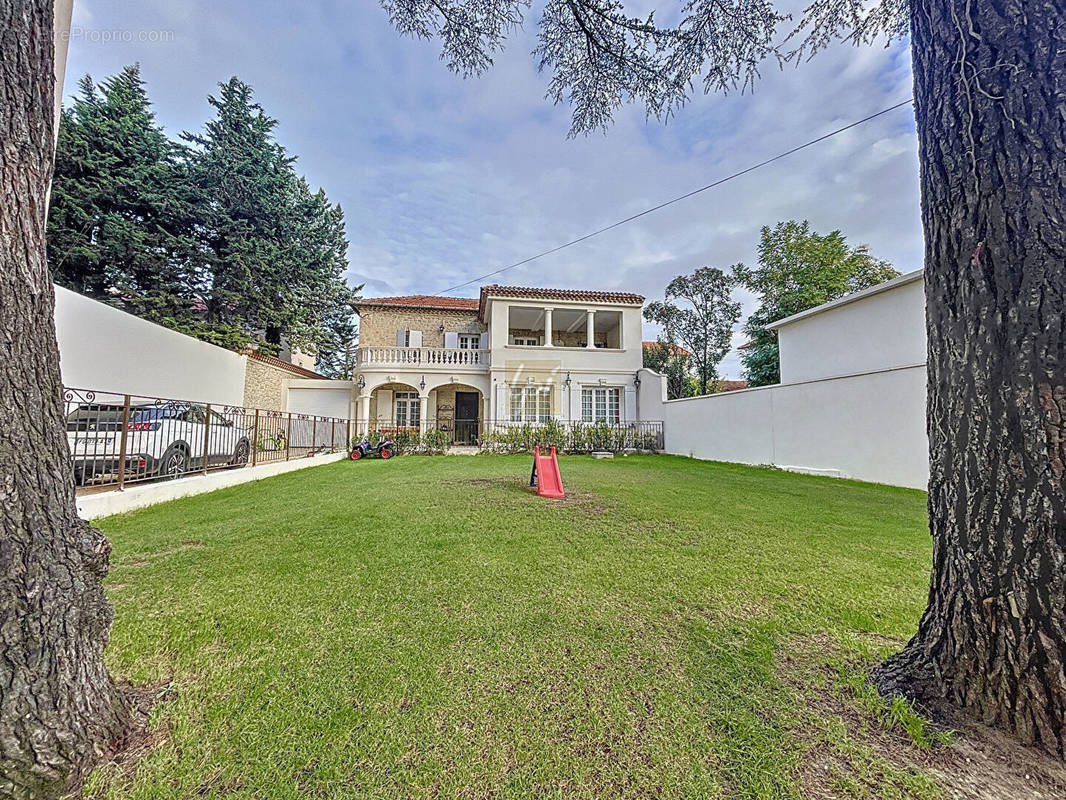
(678, 350)
(285, 365)
(536, 293)
(587, 295)
(420, 301)
(732, 386)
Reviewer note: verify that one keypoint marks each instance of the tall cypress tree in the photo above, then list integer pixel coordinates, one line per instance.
(247, 179)
(123, 213)
(319, 312)
(277, 249)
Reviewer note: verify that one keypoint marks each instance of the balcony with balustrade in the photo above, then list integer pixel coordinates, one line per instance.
(423, 358)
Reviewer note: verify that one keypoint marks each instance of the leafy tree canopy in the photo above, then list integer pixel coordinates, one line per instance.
(798, 269)
(600, 57)
(122, 222)
(215, 236)
(673, 362)
(698, 313)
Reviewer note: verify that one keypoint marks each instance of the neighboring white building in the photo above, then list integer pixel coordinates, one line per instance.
(882, 327)
(514, 355)
(851, 402)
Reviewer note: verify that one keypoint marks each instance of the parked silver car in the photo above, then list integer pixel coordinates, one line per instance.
(165, 439)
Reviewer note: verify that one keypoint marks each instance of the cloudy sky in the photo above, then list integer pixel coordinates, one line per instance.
(444, 179)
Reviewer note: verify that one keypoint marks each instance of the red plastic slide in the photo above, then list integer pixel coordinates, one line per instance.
(546, 475)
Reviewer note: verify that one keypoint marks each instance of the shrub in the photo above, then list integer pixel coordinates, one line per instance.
(406, 442)
(552, 434)
(436, 442)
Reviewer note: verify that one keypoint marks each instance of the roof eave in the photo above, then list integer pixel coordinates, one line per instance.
(895, 283)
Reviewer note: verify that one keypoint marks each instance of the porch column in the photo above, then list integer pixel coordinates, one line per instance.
(423, 412)
(590, 328)
(363, 419)
(548, 327)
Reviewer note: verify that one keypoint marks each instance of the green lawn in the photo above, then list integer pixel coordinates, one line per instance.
(427, 627)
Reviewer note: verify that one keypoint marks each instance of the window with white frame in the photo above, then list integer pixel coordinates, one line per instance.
(601, 405)
(531, 403)
(532, 341)
(469, 341)
(408, 410)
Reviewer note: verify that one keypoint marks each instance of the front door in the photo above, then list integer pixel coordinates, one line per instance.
(466, 417)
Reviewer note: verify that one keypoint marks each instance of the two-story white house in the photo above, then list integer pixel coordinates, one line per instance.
(514, 355)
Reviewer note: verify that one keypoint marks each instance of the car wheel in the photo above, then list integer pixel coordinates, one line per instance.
(240, 455)
(174, 463)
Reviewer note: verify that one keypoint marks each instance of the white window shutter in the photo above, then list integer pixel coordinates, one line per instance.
(386, 412)
(401, 338)
(416, 339)
(483, 341)
(451, 339)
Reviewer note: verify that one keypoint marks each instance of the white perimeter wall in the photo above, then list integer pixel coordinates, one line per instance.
(868, 427)
(853, 405)
(321, 398)
(109, 350)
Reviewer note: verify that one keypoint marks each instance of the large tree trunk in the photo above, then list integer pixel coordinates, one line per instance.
(59, 710)
(990, 92)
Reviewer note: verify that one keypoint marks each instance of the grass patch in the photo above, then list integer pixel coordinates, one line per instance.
(429, 628)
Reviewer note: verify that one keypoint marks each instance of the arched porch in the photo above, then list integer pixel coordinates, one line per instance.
(458, 409)
(448, 404)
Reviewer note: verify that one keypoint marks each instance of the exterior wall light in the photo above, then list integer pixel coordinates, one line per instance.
(636, 380)
(362, 382)
(567, 382)
(422, 383)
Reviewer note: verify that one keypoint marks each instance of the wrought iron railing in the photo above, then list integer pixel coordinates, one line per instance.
(421, 357)
(119, 439)
(517, 436)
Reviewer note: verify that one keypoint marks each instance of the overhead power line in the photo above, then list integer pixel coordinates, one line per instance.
(677, 199)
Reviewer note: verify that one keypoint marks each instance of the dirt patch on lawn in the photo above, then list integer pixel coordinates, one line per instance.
(876, 759)
(586, 503)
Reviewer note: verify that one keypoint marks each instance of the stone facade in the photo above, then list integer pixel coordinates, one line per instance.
(265, 386)
(378, 326)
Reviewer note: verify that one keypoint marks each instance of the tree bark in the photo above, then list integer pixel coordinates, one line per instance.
(990, 94)
(59, 710)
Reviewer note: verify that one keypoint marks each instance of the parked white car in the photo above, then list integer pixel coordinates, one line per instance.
(165, 439)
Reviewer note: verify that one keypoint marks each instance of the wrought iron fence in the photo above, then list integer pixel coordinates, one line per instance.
(509, 436)
(119, 439)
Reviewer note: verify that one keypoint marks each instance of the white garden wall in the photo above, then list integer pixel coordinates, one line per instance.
(109, 350)
(868, 427)
(851, 404)
(321, 398)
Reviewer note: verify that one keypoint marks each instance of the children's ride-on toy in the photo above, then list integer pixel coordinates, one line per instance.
(364, 448)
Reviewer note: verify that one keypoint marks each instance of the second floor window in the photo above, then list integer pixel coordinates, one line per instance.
(601, 405)
(408, 338)
(469, 341)
(530, 404)
(527, 340)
